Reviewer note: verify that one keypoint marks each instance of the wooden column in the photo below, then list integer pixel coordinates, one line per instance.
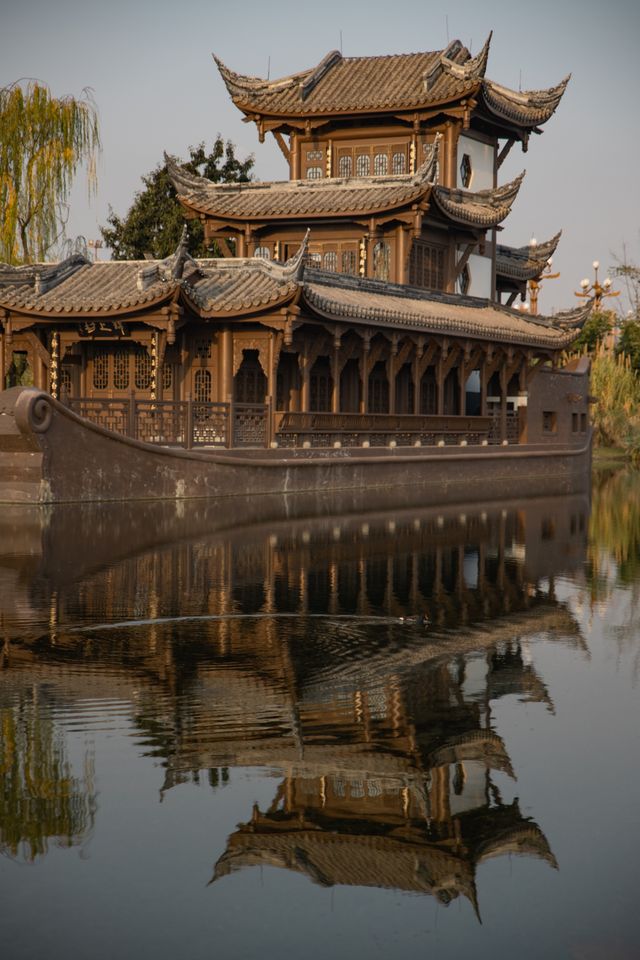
(364, 374)
(402, 248)
(3, 352)
(225, 363)
(440, 376)
(415, 376)
(462, 388)
(305, 371)
(294, 147)
(391, 377)
(453, 132)
(335, 375)
(504, 383)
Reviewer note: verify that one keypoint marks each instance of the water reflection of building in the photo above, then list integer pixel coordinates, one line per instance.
(296, 660)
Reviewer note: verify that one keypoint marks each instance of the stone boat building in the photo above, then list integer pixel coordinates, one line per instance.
(364, 301)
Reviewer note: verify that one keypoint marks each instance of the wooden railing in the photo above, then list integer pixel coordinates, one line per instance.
(378, 429)
(191, 423)
(179, 423)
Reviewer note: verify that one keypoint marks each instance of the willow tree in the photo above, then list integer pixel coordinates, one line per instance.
(43, 142)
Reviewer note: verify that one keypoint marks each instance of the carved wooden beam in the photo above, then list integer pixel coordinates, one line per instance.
(282, 144)
(224, 246)
(450, 359)
(38, 347)
(376, 353)
(504, 153)
(406, 349)
(471, 362)
(462, 262)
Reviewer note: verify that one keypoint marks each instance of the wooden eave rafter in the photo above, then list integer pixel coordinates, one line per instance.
(381, 327)
(303, 120)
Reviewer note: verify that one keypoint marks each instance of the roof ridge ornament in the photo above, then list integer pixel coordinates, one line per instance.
(47, 276)
(316, 75)
(169, 269)
(474, 68)
(528, 108)
(180, 177)
(293, 268)
(427, 172)
(493, 196)
(238, 83)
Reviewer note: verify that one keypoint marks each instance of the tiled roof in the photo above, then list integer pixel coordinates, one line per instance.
(486, 208)
(525, 263)
(373, 84)
(527, 108)
(227, 287)
(301, 198)
(362, 84)
(78, 286)
(392, 305)
(86, 288)
(332, 858)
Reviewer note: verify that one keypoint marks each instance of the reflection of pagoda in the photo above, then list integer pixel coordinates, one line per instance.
(394, 786)
(398, 853)
(297, 659)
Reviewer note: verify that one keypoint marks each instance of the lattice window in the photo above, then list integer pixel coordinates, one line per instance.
(330, 261)
(100, 371)
(381, 260)
(426, 266)
(314, 155)
(264, 253)
(363, 165)
(399, 163)
(65, 381)
(314, 173)
(121, 370)
(466, 171)
(316, 259)
(167, 376)
(345, 166)
(202, 386)
(380, 164)
(143, 368)
(464, 280)
(349, 262)
(203, 348)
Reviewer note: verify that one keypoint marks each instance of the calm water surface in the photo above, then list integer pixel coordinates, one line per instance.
(229, 737)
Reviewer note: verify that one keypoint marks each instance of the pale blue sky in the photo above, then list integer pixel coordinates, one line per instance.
(157, 88)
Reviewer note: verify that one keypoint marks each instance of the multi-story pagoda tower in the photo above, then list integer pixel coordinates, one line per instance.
(394, 166)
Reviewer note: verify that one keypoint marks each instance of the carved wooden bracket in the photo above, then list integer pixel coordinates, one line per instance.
(261, 344)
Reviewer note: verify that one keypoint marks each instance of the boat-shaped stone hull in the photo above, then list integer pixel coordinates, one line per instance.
(49, 454)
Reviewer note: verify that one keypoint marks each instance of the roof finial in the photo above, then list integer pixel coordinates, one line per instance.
(293, 269)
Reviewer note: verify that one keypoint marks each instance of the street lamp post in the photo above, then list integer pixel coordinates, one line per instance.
(536, 282)
(95, 246)
(596, 289)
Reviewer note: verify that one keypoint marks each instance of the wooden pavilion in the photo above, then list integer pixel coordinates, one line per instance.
(357, 303)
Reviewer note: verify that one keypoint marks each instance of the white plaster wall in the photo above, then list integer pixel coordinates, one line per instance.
(480, 272)
(481, 156)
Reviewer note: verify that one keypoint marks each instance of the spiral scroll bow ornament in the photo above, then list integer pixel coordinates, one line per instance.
(40, 415)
